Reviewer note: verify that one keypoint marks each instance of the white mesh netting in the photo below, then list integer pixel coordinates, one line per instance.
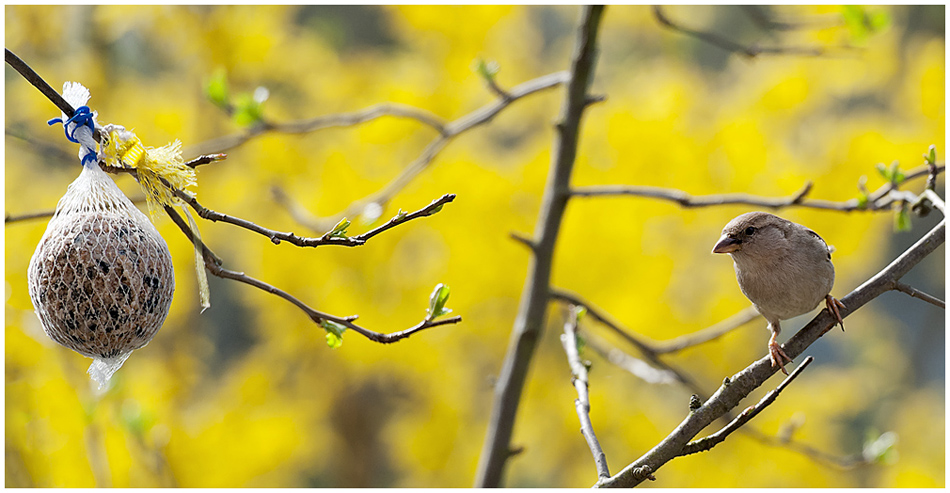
(101, 278)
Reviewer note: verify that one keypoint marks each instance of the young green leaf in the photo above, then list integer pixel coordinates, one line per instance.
(333, 340)
(897, 176)
(861, 23)
(437, 302)
(487, 70)
(884, 172)
(880, 449)
(334, 333)
(581, 343)
(865, 195)
(863, 201)
(247, 110)
(216, 89)
(339, 231)
(902, 219)
(931, 156)
(878, 21)
(854, 19)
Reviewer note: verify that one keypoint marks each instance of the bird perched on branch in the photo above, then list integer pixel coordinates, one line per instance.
(783, 268)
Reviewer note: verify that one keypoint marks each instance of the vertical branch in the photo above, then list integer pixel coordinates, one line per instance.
(531, 313)
(582, 403)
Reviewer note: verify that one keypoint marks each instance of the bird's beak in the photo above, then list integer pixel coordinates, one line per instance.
(727, 244)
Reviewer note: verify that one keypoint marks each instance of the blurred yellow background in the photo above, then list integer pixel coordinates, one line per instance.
(248, 393)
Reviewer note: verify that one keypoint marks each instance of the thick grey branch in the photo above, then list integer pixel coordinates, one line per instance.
(744, 417)
(743, 383)
(532, 310)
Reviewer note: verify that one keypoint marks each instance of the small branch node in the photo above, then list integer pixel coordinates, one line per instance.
(524, 240)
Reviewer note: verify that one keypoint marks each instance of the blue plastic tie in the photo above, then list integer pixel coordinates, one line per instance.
(90, 158)
(82, 118)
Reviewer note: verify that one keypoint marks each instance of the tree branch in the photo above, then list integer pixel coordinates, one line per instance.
(710, 333)
(750, 412)
(645, 347)
(213, 265)
(916, 293)
(277, 236)
(732, 46)
(635, 366)
(531, 313)
(743, 383)
(819, 457)
(447, 132)
(233, 141)
(8, 219)
(33, 78)
(582, 403)
(880, 199)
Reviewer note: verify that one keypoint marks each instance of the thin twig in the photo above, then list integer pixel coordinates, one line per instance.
(523, 239)
(55, 153)
(232, 141)
(493, 84)
(881, 199)
(635, 366)
(449, 132)
(205, 159)
(645, 347)
(44, 214)
(822, 458)
(706, 443)
(278, 236)
(532, 311)
(297, 212)
(33, 78)
(580, 382)
(916, 293)
(742, 384)
(213, 265)
(732, 46)
(710, 333)
(766, 22)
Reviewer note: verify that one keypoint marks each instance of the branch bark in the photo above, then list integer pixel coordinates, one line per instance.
(580, 382)
(707, 443)
(743, 383)
(213, 265)
(531, 313)
(881, 199)
(447, 132)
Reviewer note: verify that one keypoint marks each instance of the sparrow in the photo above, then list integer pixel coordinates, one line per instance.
(783, 268)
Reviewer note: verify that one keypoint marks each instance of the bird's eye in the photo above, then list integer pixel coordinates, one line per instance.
(749, 231)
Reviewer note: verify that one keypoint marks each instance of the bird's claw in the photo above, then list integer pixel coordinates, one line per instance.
(833, 304)
(777, 355)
